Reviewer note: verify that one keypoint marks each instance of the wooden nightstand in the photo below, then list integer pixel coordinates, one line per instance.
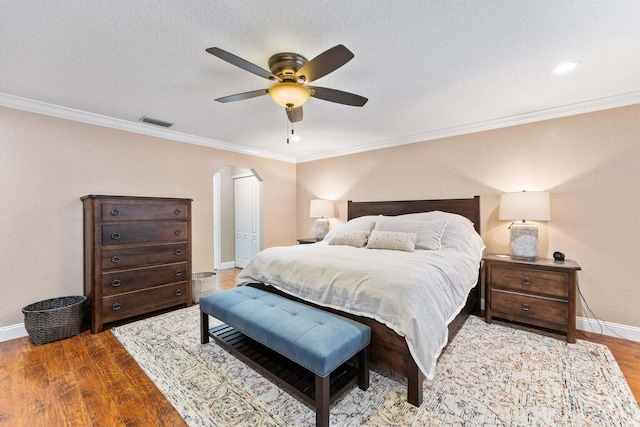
(537, 293)
(308, 240)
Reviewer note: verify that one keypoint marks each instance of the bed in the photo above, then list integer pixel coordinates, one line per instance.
(408, 330)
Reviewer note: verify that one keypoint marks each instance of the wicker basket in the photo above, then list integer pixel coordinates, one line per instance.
(203, 284)
(54, 319)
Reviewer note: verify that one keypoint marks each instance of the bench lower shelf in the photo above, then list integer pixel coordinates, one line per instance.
(288, 375)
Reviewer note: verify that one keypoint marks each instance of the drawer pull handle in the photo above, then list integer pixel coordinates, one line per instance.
(178, 252)
(116, 306)
(177, 212)
(526, 281)
(178, 273)
(115, 259)
(115, 212)
(115, 283)
(177, 232)
(525, 307)
(115, 236)
(178, 292)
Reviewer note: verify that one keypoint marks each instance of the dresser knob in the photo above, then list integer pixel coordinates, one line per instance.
(115, 236)
(177, 232)
(115, 259)
(116, 306)
(176, 212)
(115, 283)
(526, 281)
(178, 273)
(178, 252)
(115, 212)
(525, 307)
(178, 292)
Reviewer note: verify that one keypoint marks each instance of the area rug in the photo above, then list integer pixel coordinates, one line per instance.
(489, 375)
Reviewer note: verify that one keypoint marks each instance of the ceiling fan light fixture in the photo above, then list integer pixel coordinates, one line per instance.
(289, 95)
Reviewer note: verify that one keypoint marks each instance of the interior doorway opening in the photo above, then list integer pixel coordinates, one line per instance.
(237, 216)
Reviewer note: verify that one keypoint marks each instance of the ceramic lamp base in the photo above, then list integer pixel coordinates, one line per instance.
(322, 228)
(524, 241)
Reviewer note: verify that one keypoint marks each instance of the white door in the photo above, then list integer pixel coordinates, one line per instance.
(247, 218)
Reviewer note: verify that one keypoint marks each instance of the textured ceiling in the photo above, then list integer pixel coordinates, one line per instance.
(429, 68)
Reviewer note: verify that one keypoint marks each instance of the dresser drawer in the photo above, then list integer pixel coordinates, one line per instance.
(553, 284)
(121, 306)
(530, 309)
(138, 278)
(130, 257)
(160, 231)
(143, 212)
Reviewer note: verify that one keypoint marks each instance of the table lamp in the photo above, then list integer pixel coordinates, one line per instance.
(322, 210)
(524, 205)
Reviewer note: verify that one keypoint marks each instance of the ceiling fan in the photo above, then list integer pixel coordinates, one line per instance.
(292, 72)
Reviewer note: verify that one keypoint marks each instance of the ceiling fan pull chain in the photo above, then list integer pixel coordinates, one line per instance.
(288, 126)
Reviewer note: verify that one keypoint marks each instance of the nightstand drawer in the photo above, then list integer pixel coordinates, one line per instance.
(553, 284)
(546, 312)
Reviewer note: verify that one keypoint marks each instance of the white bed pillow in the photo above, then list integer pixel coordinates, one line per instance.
(394, 240)
(459, 234)
(355, 238)
(428, 233)
(363, 223)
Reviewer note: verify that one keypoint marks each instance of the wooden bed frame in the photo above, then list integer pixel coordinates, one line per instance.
(388, 349)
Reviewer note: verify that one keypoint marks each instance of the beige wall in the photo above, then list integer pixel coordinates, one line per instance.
(590, 163)
(47, 164)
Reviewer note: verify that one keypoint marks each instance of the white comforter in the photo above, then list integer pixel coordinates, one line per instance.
(417, 294)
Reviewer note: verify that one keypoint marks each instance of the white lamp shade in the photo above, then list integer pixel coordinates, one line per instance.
(525, 205)
(321, 209)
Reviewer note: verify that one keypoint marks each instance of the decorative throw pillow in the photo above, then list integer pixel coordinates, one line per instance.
(429, 233)
(394, 240)
(355, 238)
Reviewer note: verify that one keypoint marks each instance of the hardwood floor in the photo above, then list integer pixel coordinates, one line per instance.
(90, 379)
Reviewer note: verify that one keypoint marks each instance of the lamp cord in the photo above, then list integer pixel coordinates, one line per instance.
(602, 324)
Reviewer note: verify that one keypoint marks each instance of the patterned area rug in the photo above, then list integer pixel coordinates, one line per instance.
(490, 375)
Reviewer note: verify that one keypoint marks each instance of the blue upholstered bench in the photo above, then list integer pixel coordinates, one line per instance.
(329, 351)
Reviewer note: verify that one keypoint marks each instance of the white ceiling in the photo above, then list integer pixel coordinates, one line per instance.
(429, 68)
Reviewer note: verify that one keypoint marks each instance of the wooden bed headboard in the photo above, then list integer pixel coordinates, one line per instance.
(469, 208)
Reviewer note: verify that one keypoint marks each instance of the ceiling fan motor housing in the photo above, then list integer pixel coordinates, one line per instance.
(285, 65)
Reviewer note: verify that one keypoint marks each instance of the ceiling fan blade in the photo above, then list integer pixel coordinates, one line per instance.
(337, 96)
(294, 114)
(323, 64)
(243, 95)
(242, 63)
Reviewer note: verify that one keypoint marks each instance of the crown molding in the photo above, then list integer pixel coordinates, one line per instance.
(47, 109)
(599, 104)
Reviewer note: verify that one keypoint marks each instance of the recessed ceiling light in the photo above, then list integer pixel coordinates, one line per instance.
(565, 67)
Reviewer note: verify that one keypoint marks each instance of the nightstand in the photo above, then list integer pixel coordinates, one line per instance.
(308, 240)
(537, 293)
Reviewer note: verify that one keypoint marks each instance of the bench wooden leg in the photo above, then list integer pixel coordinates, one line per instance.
(323, 386)
(363, 369)
(204, 328)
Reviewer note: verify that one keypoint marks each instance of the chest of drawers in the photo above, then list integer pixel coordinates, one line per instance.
(537, 293)
(137, 255)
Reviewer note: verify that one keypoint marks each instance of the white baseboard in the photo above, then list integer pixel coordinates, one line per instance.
(611, 329)
(12, 332)
(226, 265)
